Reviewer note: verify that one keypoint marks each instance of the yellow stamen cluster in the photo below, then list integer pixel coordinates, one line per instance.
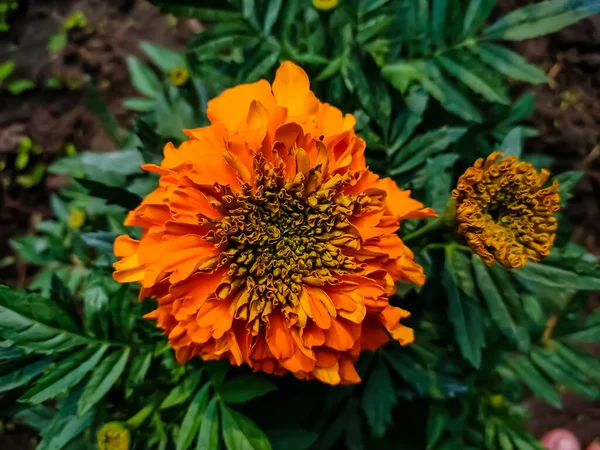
(113, 436)
(504, 213)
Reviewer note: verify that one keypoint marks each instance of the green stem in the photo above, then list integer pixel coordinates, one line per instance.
(429, 228)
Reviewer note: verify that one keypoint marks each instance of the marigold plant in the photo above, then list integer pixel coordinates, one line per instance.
(269, 242)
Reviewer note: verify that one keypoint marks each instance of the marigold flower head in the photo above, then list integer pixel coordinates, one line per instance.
(113, 436)
(504, 213)
(268, 241)
(179, 76)
(325, 5)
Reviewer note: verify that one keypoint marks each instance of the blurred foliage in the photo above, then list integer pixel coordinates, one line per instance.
(429, 85)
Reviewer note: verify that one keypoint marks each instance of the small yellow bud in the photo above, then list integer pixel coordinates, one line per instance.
(179, 76)
(325, 5)
(76, 219)
(113, 436)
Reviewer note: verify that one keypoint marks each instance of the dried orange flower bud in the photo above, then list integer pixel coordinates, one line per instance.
(504, 213)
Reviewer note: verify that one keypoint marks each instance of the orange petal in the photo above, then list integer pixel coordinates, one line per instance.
(342, 334)
(232, 106)
(128, 270)
(125, 246)
(348, 372)
(291, 89)
(278, 337)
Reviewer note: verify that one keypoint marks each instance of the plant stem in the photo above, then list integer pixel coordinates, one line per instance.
(430, 227)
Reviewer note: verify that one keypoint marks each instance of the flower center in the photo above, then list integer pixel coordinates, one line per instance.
(279, 234)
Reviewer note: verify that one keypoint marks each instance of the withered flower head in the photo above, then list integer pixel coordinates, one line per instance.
(113, 436)
(504, 213)
(269, 242)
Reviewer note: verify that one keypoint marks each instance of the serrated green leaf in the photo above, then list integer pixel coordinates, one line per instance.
(472, 74)
(142, 78)
(24, 318)
(566, 183)
(402, 75)
(584, 363)
(557, 278)
(541, 18)
(512, 144)
(194, 416)
(23, 375)
(438, 21)
(476, 14)
(103, 378)
(271, 15)
(424, 146)
(538, 384)
(436, 424)
(556, 369)
(165, 59)
(137, 372)
(245, 388)
(465, 315)
(67, 373)
(498, 310)
(504, 440)
(208, 438)
(379, 398)
(183, 390)
(139, 104)
(100, 109)
(509, 63)
(407, 119)
(240, 433)
(451, 99)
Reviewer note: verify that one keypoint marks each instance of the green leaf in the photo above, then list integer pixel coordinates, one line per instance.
(193, 418)
(142, 78)
(407, 119)
(67, 373)
(165, 59)
(541, 18)
(57, 42)
(112, 194)
(104, 115)
(469, 71)
(208, 438)
(193, 12)
(512, 145)
(139, 104)
(477, 12)
(497, 307)
(424, 146)
(137, 371)
(554, 277)
(438, 21)
(436, 424)
(286, 439)
(245, 388)
(402, 75)
(273, 9)
(104, 377)
(24, 320)
(465, 315)
(556, 369)
(585, 364)
(6, 69)
(509, 63)
(23, 375)
(240, 433)
(379, 398)
(66, 425)
(20, 85)
(590, 331)
(451, 99)
(97, 165)
(182, 391)
(538, 384)
(566, 183)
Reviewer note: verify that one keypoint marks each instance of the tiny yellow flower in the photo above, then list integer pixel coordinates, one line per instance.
(76, 218)
(179, 76)
(325, 5)
(497, 400)
(113, 436)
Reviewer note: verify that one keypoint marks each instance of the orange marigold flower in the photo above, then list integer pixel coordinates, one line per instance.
(504, 213)
(268, 241)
